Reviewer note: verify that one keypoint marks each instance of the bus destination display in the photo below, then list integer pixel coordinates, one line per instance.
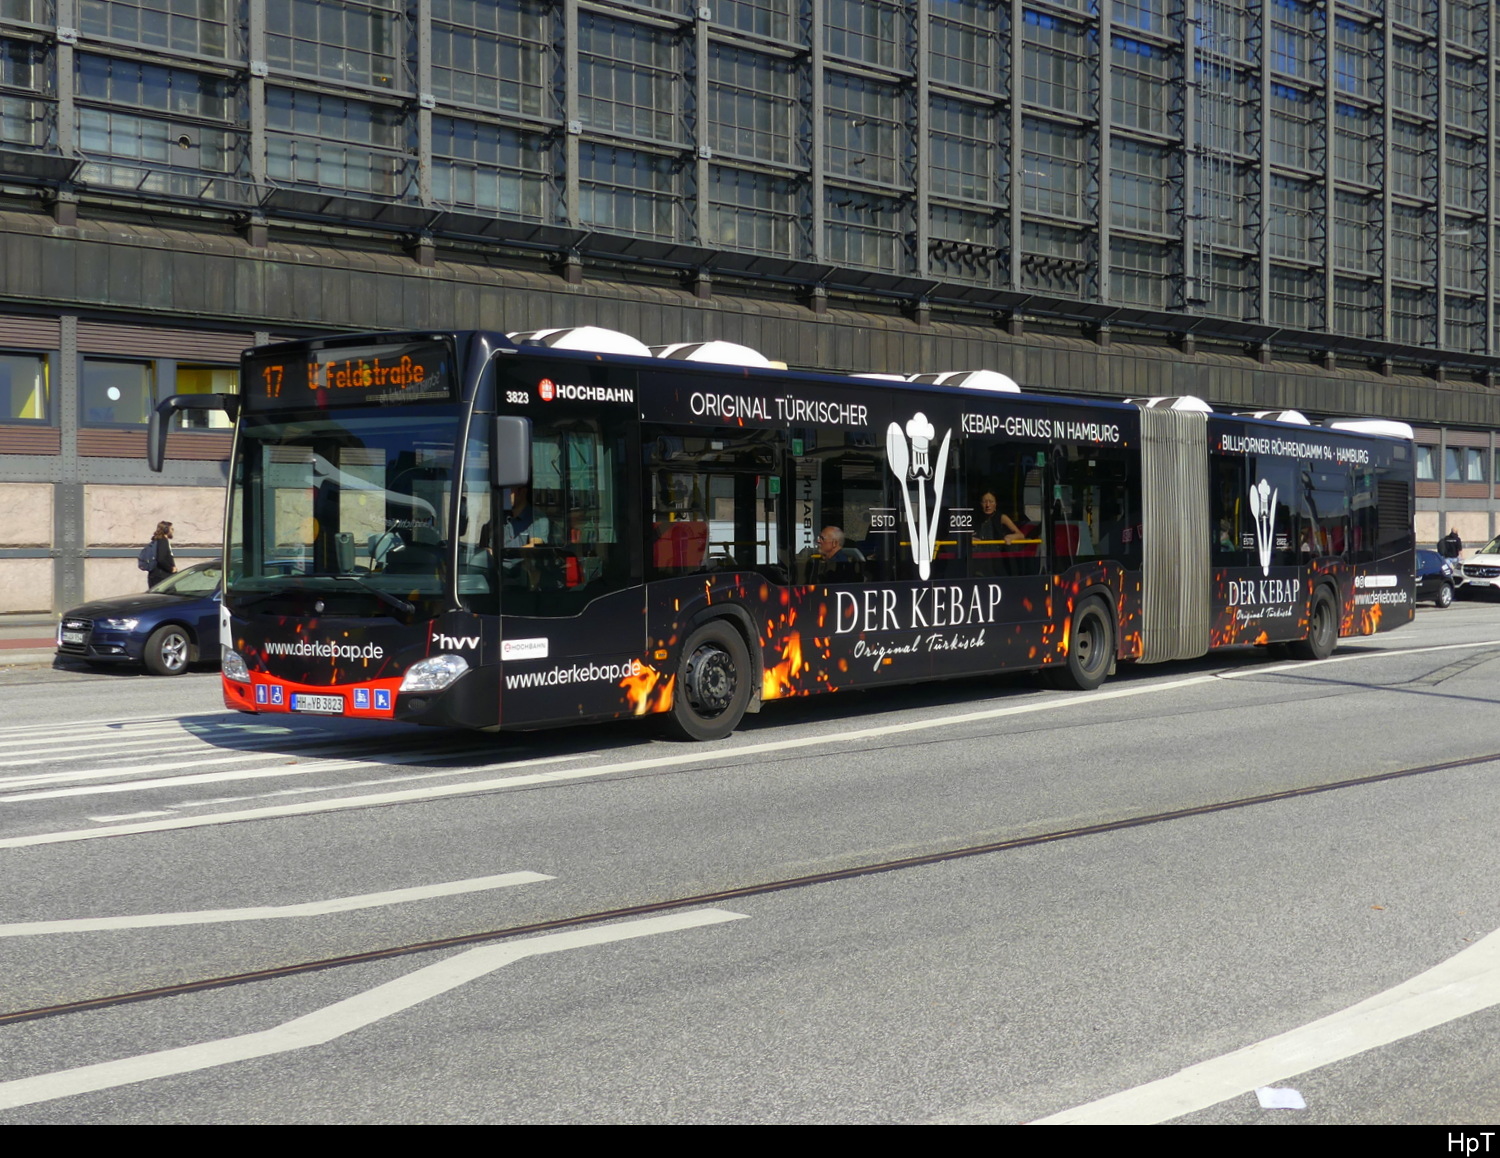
(350, 376)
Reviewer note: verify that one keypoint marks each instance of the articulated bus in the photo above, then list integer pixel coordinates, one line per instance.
(486, 531)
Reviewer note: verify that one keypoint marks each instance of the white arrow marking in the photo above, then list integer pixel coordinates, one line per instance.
(341, 1018)
(271, 912)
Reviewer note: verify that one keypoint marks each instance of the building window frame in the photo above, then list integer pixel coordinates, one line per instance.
(111, 390)
(36, 410)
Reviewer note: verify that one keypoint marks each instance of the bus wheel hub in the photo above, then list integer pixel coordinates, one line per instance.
(710, 680)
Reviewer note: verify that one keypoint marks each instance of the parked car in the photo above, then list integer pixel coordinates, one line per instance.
(1436, 578)
(1479, 574)
(167, 628)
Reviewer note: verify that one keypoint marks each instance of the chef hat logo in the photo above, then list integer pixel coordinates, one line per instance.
(921, 432)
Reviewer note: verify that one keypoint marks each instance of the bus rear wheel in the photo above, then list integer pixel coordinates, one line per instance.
(1091, 649)
(1322, 630)
(713, 684)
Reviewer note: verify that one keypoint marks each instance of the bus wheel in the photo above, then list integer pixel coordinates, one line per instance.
(713, 684)
(1091, 649)
(1322, 630)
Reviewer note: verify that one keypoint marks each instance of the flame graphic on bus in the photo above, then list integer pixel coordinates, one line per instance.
(648, 691)
(911, 462)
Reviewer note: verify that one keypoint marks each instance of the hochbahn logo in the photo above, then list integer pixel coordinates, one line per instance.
(563, 392)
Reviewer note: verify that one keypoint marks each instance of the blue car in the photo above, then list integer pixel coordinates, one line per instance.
(167, 628)
(1436, 578)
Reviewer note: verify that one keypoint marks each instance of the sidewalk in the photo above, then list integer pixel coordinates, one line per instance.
(27, 639)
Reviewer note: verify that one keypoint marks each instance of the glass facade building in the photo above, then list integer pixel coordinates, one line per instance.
(1281, 202)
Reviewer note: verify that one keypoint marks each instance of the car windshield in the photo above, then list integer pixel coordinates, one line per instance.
(202, 579)
(346, 511)
(1490, 548)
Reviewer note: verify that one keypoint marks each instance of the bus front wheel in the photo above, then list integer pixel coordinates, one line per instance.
(713, 684)
(1091, 649)
(1322, 630)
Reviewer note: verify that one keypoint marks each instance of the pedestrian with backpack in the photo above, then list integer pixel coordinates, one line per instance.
(156, 556)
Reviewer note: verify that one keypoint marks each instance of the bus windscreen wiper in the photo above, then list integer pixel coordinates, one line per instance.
(386, 597)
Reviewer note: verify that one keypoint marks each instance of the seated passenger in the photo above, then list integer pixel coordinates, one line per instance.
(833, 562)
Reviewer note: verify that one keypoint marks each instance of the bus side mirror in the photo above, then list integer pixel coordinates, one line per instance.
(161, 417)
(510, 451)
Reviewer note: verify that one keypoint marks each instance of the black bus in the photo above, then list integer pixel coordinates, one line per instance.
(470, 529)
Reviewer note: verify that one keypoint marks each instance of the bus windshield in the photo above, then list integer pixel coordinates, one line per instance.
(347, 512)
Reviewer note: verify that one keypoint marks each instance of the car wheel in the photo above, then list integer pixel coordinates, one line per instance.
(1444, 595)
(167, 651)
(713, 684)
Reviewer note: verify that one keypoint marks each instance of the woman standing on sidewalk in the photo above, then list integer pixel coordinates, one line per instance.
(165, 564)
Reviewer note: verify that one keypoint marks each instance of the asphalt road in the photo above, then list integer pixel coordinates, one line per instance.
(1132, 951)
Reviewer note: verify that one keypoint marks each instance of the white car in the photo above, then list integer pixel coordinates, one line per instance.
(1481, 570)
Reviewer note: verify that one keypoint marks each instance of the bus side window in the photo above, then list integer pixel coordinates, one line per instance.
(1229, 511)
(1095, 511)
(565, 544)
(712, 501)
(1326, 511)
(1004, 484)
(840, 482)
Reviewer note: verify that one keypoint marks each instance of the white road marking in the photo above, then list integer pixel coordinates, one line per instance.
(273, 912)
(119, 816)
(294, 767)
(116, 722)
(1465, 983)
(80, 734)
(117, 748)
(308, 789)
(219, 756)
(698, 755)
(343, 1017)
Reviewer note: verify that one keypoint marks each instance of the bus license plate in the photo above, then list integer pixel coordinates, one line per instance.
(328, 705)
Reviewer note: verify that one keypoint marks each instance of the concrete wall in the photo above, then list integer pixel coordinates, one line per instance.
(1473, 528)
(25, 522)
(117, 520)
(25, 585)
(126, 516)
(25, 514)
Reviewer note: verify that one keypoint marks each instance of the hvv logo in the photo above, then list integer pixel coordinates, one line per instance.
(455, 642)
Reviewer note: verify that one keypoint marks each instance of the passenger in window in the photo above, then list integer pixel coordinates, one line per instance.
(833, 562)
(994, 525)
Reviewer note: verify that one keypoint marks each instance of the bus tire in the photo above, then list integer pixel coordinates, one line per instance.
(1322, 630)
(1091, 649)
(714, 681)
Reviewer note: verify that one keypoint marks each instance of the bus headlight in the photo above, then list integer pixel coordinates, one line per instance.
(434, 674)
(233, 665)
